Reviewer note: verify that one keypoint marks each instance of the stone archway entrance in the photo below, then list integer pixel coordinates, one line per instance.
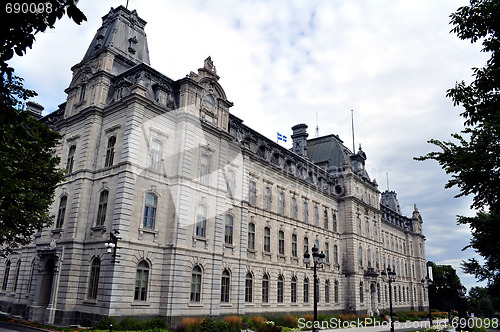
(46, 283)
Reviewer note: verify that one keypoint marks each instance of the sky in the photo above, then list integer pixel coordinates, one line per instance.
(287, 62)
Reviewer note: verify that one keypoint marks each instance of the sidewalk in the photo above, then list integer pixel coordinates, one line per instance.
(329, 326)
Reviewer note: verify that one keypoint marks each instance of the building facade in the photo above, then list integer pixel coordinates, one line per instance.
(211, 218)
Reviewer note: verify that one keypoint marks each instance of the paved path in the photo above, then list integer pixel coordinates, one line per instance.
(4, 327)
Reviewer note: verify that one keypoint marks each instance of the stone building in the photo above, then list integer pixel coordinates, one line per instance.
(211, 218)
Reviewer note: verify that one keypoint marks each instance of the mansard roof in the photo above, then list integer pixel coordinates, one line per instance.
(328, 151)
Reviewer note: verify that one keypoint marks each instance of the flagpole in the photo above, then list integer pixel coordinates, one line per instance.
(352, 123)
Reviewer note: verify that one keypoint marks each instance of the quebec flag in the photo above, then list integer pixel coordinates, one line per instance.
(281, 137)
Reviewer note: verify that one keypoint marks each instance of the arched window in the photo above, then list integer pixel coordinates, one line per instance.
(201, 220)
(150, 211)
(71, 159)
(196, 284)
(306, 290)
(327, 291)
(267, 239)
(61, 212)
(225, 286)
(281, 242)
(228, 233)
(101, 209)
(249, 287)
(95, 270)
(280, 297)
(251, 236)
(265, 288)
(18, 271)
(293, 289)
(110, 151)
(294, 245)
(336, 291)
(141, 281)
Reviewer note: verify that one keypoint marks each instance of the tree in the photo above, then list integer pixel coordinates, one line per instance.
(480, 302)
(28, 168)
(473, 158)
(444, 291)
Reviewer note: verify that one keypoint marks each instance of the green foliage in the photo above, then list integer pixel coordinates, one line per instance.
(156, 323)
(28, 170)
(131, 324)
(104, 322)
(208, 325)
(473, 158)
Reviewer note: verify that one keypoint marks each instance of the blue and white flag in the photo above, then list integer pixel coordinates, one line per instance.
(281, 137)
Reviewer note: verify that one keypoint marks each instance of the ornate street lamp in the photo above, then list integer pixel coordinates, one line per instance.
(112, 245)
(429, 284)
(391, 277)
(318, 262)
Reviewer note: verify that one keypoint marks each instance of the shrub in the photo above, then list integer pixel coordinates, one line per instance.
(156, 323)
(222, 326)
(309, 318)
(245, 326)
(291, 321)
(130, 324)
(256, 322)
(178, 328)
(192, 324)
(208, 325)
(104, 323)
(234, 322)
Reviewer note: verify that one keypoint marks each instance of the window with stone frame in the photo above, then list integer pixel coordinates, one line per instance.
(294, 208)
(327, 252)
(228, 231)
(334, 222)
(265, 288)
(280, 290)
(201, 220)
(293, 290)
(267, 239)
(306, 290)
(251, 236)
(230, 182)
(204, 168)
(71, 159)
(281, 243)
(252, 195)
(93, 286)
(110, 152)
(305, 207)
(249, 288)
(16, 276)
(102, 207)
(316, 215)
(281, 203)
(267, 198)
(225, 286)
(141, 281)
(6, 273)
(325, 216)
(360, 256)
(377, 261)
(61, 213)
(195, 293)
(155, 154)
(358, 220)
(294, 245)
(361, 293)
(369, 257)
(367, 225)
(327, 291)
(306, 244)
(336, 254)
(336, 291)
(150, 206)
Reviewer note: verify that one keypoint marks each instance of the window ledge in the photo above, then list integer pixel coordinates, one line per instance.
(89, 302)
(100, 228)
(140, 304)
(194, 304)
(147, 230)
(252, 251)
(56, 231)
(226, 305)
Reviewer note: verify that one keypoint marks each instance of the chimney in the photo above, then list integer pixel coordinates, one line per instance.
(35, 109)
(299, 137)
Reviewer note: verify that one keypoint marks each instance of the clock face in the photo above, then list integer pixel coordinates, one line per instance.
(209, 101)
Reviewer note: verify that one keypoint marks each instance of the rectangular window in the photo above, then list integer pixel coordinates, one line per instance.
(110, 151)
(201, 220)
(230, 182)
(251, 236)
(62, 212)
(267, 239)
(204, 168)
(306, 212)
(282, 203)
(252, 199)
(101, 210)
(294, 245)
(316, 215)
(71, 159)
(281, 243)
(228, 233)
(267, 199)
(326, 218)
(155, 154)
(294, 208)
(150, 211)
